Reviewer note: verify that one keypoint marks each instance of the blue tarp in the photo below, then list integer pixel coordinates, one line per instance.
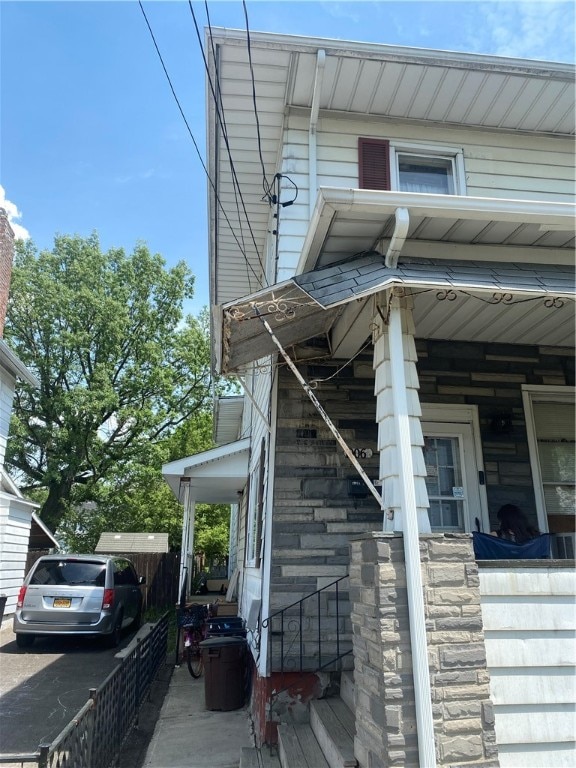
(488, 547)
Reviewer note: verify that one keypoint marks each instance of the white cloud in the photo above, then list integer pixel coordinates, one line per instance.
(526, 29)
(20, 232)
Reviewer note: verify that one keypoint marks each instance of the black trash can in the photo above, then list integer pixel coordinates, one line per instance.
(224, 672)
(3, 599)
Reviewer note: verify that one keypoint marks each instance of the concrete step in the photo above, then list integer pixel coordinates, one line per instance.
(347, 689)
(298, 747)
(250, 757)
(333, 724)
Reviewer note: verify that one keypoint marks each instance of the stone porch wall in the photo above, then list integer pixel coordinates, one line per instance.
(385, 709)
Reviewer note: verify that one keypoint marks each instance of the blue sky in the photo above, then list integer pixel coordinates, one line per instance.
(91, 138)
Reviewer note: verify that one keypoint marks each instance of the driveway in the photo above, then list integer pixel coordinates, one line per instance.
(42, 687)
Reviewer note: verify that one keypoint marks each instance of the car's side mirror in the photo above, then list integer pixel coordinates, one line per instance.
(141, 579)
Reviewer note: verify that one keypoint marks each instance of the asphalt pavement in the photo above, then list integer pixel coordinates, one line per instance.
(44, 686)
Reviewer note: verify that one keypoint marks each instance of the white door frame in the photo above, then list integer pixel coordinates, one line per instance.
(452, 419)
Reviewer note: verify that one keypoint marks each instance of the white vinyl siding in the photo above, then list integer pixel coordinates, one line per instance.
(529, 619)
(15, 522)
(497, 165)
(7, 385)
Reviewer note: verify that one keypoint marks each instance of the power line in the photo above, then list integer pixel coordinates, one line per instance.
(220, 115)
(265, 184)
(194, 141)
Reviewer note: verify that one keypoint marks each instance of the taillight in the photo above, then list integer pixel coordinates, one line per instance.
(108, 599)
(21, 596)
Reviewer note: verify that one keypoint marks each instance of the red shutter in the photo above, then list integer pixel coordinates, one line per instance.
(374, 163)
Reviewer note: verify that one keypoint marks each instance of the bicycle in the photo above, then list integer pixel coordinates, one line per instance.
(194, 622)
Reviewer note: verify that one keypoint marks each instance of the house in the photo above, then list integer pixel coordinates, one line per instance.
(17, 514)
(392, 282)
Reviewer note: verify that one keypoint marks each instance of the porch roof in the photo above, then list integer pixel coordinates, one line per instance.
(452, 260)
(216, 476)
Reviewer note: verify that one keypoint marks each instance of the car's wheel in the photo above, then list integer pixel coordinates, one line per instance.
(24, 641)
(113, 638)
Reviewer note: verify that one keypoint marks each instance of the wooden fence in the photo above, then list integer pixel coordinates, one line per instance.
(161, 570)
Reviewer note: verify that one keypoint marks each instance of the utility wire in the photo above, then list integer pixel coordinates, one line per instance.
(195, 144)
(265, 184)
(220, 116)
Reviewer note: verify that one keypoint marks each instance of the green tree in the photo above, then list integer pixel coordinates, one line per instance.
(118, 366)
(136, 498)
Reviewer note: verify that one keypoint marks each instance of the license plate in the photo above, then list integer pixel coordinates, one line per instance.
(62, 602)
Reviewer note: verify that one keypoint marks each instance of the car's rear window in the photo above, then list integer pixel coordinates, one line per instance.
(70, 572)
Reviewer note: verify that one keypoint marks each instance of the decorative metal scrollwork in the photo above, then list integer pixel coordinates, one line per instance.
(502, 298)
(281, 311)
(446, 295)
(554, 302)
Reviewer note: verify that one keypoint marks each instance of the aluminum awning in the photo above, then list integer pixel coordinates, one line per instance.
(479, 270)
(217, 476)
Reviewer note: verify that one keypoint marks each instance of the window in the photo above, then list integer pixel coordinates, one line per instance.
(410, 167)
(550, 419)
(254, 532)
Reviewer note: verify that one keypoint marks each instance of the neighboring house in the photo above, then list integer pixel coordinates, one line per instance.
(16, 513)
(125, 543)
(400, 311)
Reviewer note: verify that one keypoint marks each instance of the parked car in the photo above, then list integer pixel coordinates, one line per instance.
(78, 595)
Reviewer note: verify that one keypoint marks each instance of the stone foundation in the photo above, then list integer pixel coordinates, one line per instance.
(386, 732)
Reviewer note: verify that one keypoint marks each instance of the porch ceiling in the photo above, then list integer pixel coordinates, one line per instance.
(491, 271)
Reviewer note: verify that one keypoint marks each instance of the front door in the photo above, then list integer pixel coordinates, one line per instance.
(455, 477)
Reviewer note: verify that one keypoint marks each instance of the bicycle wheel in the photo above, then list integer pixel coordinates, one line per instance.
(194, 656)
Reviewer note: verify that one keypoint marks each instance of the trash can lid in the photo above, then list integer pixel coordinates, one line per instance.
(218, 642)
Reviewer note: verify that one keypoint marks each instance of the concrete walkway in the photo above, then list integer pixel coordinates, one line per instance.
(187, 735)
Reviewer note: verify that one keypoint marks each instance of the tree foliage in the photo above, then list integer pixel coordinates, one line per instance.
(119, 370)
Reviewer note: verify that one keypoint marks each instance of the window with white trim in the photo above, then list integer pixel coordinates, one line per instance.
(255, 519)
(410, 167)
(550, 423)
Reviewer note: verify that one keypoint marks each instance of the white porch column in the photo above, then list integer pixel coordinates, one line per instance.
(187, 546)
(400, 440)
(404, 491)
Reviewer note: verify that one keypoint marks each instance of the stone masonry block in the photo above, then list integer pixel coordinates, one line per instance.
(465, 624)
(451, 549)
(452, 596)
(445, 574)
(488, 713)
(456, 710)
(367, 575)
(462, 726)
(463, 656)
(460, 749)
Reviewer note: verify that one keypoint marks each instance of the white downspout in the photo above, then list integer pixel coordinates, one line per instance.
(315, 109)
(418, 643)
(398, 237)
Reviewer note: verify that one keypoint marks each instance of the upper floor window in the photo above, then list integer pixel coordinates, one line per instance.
(410, 167)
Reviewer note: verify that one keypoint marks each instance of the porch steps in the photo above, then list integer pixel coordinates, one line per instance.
(333, 724)
(250, 757)
(327, 742)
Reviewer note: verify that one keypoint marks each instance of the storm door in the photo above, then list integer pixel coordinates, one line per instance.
(454, 475)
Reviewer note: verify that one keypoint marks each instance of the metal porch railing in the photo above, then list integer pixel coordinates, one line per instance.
(310, 634)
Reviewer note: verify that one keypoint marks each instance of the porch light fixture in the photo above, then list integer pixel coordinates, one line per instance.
(501, 424)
